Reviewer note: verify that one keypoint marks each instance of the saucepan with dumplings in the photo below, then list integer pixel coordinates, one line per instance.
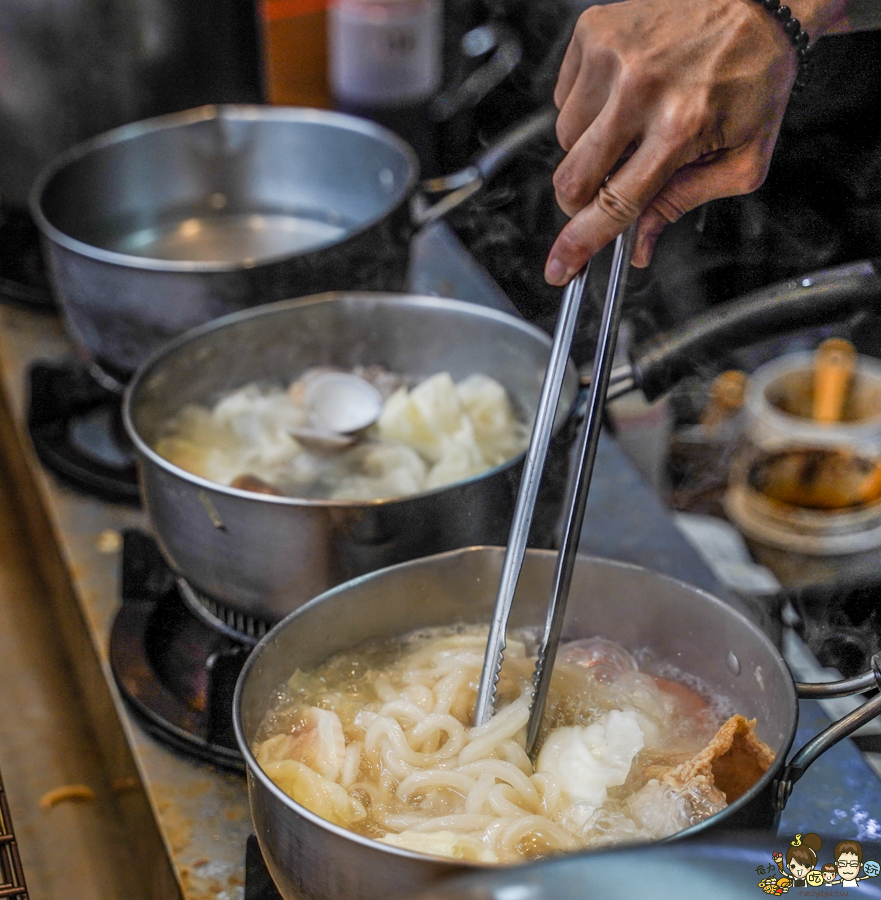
(669, 713)
(288, 448)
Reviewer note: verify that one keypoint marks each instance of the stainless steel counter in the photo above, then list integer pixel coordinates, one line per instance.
(189, 821)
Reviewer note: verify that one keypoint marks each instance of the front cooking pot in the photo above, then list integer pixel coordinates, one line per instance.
(159, 226)
(263, 556)
(310, 857)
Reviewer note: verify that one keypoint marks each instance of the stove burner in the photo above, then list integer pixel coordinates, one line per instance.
(246, 629)
(76, 427)
(840, 623)
(258, 884)
(176, 672)
(23, 280)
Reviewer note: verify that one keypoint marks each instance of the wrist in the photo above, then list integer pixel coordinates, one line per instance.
(790, 29)
(818, 16)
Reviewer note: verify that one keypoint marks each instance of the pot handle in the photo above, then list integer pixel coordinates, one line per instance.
(459, 186)
(830, 736)
(816, 299)
(503, 44)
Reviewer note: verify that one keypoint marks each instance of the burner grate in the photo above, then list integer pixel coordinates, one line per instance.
(841, 623)
(258, 883)
(12, 884)
(176, 673)
(231, 622)
(76, 428)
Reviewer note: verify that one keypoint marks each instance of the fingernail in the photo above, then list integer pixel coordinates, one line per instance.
(642, 251)
(555, 272)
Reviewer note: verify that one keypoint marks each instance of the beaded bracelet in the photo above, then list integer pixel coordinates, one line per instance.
(799, 38)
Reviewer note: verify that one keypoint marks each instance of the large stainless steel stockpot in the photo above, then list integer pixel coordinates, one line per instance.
(161, 225)
(309, 857)
(264, 556)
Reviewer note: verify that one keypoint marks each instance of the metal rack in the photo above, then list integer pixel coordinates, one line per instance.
(11, 875)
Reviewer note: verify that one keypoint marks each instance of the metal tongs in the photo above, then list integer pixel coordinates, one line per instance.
(576, 489)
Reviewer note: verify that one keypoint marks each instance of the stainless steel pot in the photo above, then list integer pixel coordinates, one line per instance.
(159, 226)
(309, 857)
(264, 556)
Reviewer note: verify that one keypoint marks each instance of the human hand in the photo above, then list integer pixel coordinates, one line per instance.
(689, 94)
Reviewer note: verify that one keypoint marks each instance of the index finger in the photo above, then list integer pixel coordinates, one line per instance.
(618, 203)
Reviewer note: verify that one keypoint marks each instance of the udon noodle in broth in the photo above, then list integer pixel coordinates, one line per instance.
(378, 739)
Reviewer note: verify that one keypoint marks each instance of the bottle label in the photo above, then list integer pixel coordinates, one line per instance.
(385, 53)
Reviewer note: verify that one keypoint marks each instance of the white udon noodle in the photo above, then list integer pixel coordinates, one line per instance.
(390, 753)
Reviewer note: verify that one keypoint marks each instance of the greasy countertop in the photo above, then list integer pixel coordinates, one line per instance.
(74, 848)
(188, 823)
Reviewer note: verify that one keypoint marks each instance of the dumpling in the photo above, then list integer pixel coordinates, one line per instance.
(586, 760)
(382, 470)
(421, 418)
(496, 430)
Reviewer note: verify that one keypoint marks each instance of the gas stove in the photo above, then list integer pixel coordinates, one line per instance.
(258, 883)
(174, 660)
(75, 425)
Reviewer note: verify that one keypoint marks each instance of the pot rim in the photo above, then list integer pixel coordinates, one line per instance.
(256, 772)
(811, 532)
(232, 319)
(798, 428)
(194, 116)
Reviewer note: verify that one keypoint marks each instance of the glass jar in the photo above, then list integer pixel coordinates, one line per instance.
(385, 52)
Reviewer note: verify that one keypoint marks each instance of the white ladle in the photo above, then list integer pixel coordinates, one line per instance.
(340, 406)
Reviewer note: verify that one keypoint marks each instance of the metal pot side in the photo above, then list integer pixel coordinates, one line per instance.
(120, 315)
(309, 857)
(265, 556)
